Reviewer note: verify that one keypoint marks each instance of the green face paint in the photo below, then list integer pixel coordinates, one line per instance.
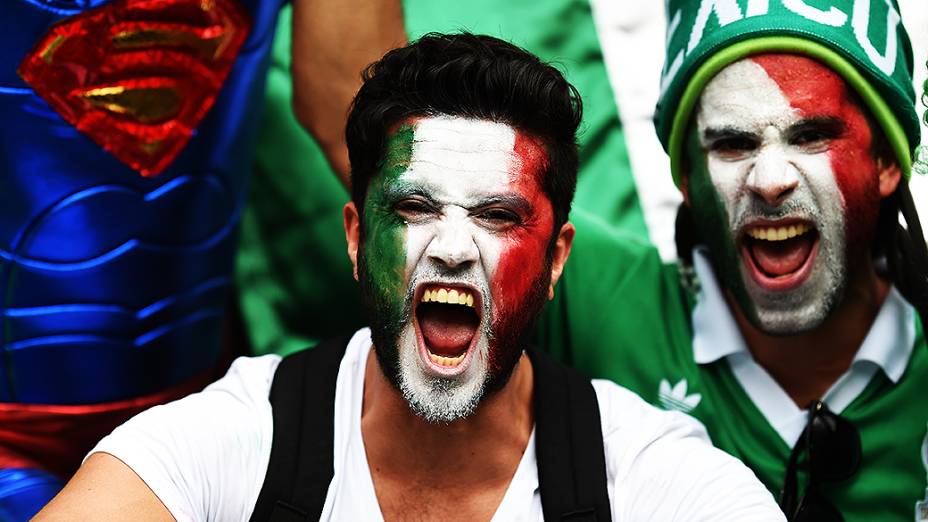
(383, 250)
(712, 221)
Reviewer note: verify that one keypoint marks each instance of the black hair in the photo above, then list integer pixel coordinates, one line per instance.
(472, 76)
(904, 248)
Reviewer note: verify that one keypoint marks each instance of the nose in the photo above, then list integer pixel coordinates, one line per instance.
(773, 177)
(453, 245)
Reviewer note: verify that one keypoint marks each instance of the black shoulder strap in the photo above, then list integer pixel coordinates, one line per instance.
(568, 444)
(568, 440)
(301, 464)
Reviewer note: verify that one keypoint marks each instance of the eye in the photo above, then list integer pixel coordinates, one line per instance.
(816, 135)
(813, 140)
(498, 218)
(412, 209)
(734, 147)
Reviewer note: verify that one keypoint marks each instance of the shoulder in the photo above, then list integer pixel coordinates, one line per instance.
(199, 452)
(245, 387)
(618, 311)
(248, 379)
(628, 418)
(660, 465)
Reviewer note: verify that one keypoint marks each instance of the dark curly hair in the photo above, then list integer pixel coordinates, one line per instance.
(472, 76)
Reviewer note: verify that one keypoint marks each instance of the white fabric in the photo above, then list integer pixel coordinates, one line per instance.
(888, 347)
(205, 456)
(631, 35)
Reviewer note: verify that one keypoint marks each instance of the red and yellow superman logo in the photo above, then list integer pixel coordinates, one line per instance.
(138, 76)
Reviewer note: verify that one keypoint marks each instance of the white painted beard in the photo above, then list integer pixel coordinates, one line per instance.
(803, 308)
(435, 398)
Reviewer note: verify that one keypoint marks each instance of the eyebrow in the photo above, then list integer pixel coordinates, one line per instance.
(514, 201)
(713, 134)
(828, 124)
(508, 200)
(396, 193)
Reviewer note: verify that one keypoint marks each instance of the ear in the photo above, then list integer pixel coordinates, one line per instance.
(890, 175)
(691, 147)
(685, 188)
(352, 233)
(565, 239)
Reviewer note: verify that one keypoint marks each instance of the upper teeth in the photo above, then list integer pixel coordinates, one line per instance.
(778, 233)
(450, 296)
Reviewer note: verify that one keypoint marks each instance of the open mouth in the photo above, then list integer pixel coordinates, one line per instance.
(780, 255)
(447, 320)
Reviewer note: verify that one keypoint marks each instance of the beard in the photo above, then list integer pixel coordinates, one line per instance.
(788, 312)
(440, 399)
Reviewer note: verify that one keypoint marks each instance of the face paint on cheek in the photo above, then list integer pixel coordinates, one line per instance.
(384, 248)
(816, 91)
(713, 222)
(519, 283)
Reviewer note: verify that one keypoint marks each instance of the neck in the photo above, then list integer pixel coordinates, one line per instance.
(806, 365)
(481, 449)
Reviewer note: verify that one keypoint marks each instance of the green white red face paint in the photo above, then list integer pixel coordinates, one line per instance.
(784, 186)
(454, 260)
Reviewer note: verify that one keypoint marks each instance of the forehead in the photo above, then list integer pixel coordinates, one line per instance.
(462, 155)
(771, 89)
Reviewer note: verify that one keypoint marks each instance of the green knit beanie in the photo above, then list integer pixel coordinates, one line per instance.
(849, 36)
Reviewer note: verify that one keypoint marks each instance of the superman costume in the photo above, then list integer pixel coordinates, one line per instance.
(126, 137)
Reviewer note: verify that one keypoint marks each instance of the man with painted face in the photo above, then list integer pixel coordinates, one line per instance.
(464, 161)
(792, 326)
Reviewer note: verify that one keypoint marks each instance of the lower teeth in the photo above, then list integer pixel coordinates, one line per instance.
(446, 361)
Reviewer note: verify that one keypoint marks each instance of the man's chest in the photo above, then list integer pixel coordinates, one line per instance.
(359, 492)
(889, 418)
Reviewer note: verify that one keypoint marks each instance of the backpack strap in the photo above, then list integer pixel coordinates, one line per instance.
(568, 444)
(302, 452)
(568, 439)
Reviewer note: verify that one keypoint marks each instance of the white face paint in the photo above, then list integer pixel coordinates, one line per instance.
(461, 163)
(775, 179)
(459, 200)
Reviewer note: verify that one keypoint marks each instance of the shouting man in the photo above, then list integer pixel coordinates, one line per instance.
(464, 163)
(791, 327)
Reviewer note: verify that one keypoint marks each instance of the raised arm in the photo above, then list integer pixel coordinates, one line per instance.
(333, 41)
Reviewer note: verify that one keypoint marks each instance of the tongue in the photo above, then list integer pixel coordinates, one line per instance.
(779, 258)
(447, 329)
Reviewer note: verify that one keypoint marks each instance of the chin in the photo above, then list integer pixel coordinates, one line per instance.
(793, 321)
(451, 348)
(798, 310)
(433, 393)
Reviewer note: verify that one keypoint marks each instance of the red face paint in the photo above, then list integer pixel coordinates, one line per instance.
(816, 91)
(524, 246)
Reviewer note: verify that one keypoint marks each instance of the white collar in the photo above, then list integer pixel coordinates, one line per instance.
(888, 346)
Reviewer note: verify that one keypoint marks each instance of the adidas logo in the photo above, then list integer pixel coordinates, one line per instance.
(676, 398)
